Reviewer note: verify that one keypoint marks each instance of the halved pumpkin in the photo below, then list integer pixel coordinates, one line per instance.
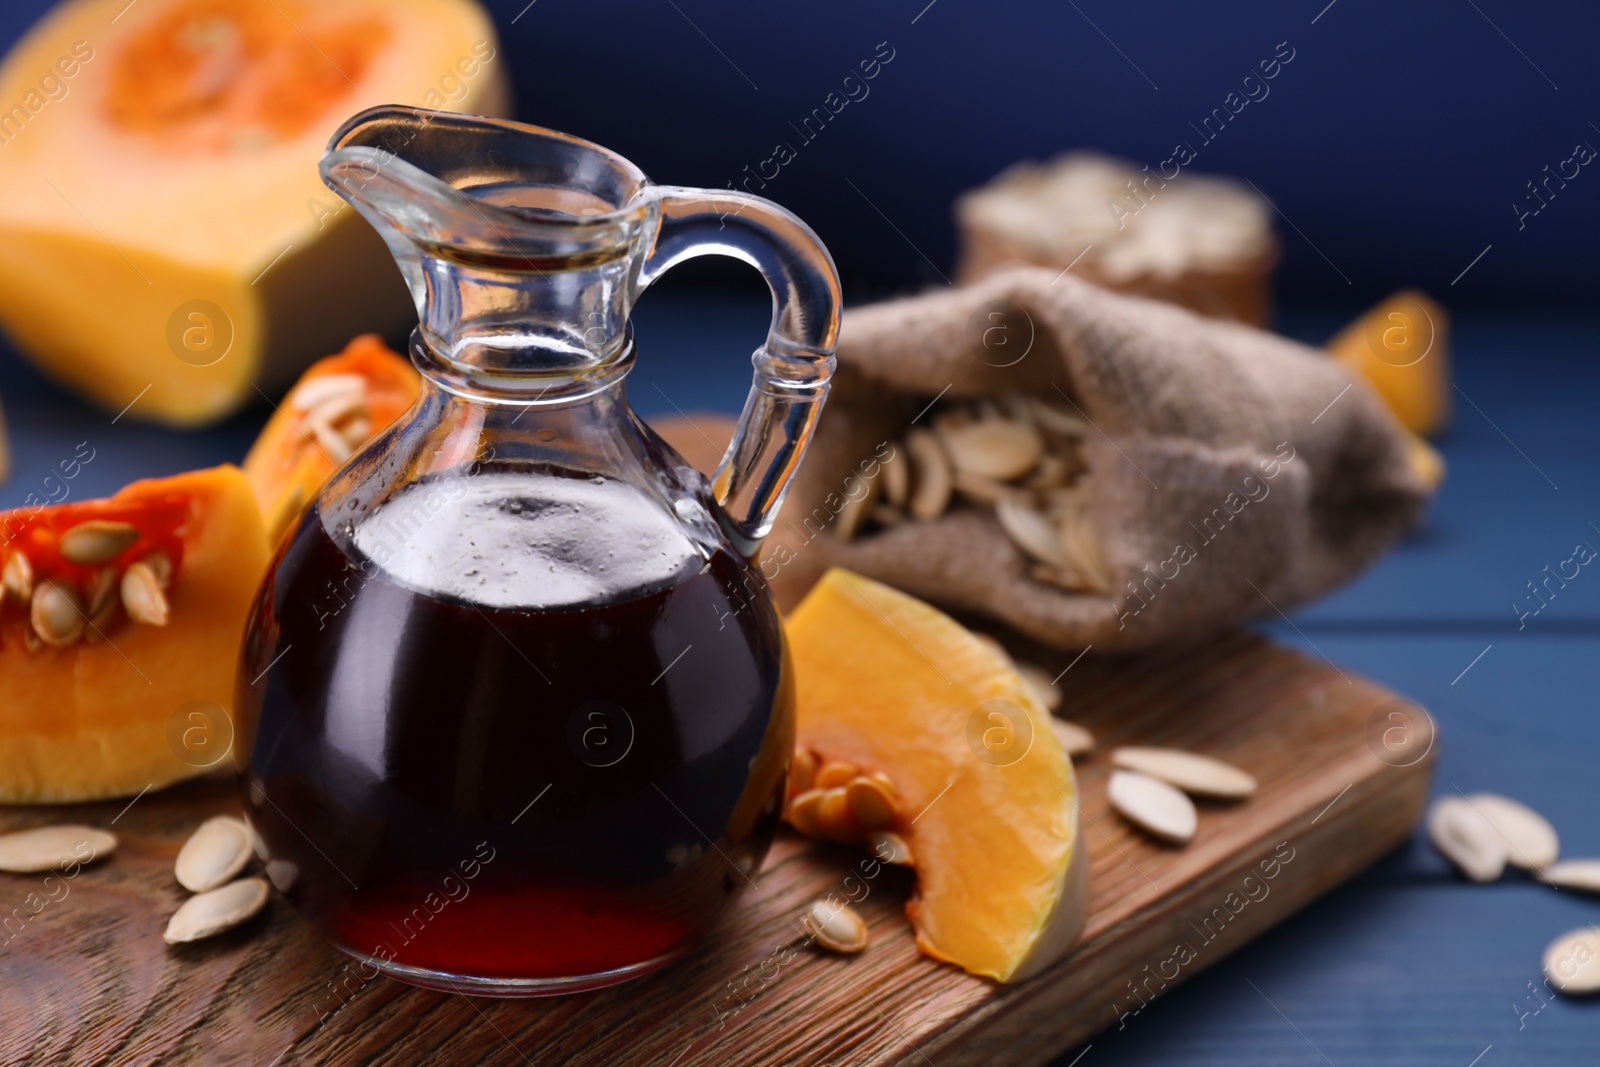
(164, 233)
(985, 795)
(333, 409)
(120, 619)
(1402, 348)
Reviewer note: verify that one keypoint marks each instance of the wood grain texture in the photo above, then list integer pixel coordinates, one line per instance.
(87, 979)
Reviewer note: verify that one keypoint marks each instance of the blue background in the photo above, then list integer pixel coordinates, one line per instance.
(1396, 141)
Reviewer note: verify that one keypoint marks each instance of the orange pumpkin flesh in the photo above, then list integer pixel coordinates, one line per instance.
(287, 465)
(889, 684)
(92, 719)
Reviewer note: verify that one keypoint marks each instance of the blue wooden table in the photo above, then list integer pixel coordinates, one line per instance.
(1408, 964)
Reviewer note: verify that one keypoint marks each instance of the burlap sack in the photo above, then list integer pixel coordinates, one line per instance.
(1232, 472)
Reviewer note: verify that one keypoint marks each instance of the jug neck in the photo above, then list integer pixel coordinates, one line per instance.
(528, 329)
(522, 249)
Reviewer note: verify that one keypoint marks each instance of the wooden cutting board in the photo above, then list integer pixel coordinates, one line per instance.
(88, 980)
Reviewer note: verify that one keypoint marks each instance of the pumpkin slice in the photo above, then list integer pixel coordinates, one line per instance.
(335, 407)
(120, 621)
(984, 794)
(1402, 348)
(164, 233)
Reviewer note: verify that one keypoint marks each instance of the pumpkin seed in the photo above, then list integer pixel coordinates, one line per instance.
(142, 596)
(890, 847)
(1531, 842)
(896, 478)
(18, 576)
(49, 848)
(216, 911)
(837, 929)
(283, 874)
(328, 440)
(995, 448)
(1053, 472)
(337, 408)
(313, 391)
(1082, 551)
(97, 541)
(1031, 531)
(871, 802)
(1153, 806)
(160, 564)
(1074, 738)
(1467, 839)
(1059, 420)
(833, 815)
(56, 614)
(356, 431)
(1016, 406)
(987, 491)
(1197, 775)
(101, 593)
(835, 773)
(1065, 499)
(802, 772)
(1040, 684)
(103, 605)
(1580, 875)
(1572, 962)
(803, 812)
(848, 521)
(932, 477)
(213, 855)
(1061, 577)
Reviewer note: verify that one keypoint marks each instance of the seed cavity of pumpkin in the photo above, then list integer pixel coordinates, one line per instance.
(835, 773)
(840, 801)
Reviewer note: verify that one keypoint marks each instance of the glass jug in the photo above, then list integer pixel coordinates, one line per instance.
(514, 698)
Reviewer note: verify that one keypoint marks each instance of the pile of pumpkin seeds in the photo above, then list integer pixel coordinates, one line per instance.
(1014, 455)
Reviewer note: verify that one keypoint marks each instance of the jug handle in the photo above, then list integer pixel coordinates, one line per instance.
(793, 367)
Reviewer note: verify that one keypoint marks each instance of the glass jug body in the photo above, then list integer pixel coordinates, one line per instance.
(513, 696)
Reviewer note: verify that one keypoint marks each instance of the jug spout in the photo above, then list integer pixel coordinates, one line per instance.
(522, 247)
